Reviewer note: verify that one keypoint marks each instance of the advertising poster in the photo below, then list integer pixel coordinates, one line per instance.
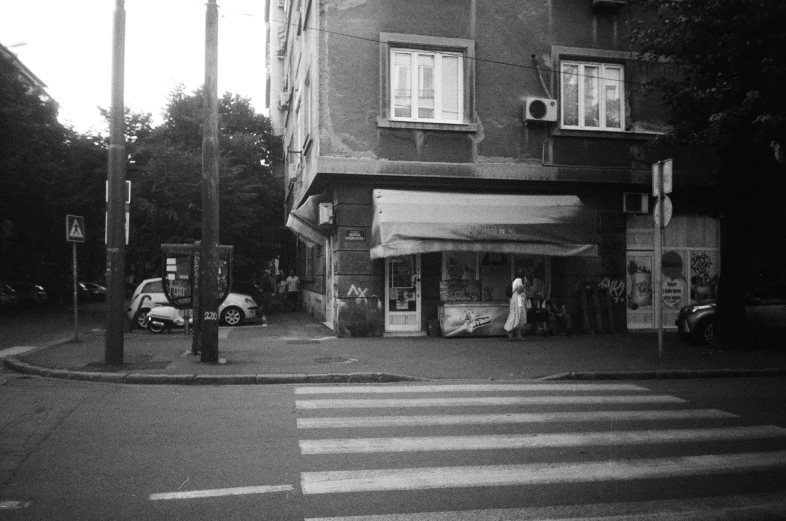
(703, 275)
(674, 286)
(462, 321)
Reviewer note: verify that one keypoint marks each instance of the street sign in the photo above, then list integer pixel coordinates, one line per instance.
(663, 204)
(75, 228)
(662, 173)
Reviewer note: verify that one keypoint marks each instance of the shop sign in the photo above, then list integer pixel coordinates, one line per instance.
(355, 235)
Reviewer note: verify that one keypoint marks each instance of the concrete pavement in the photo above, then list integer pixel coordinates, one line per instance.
(295, 348)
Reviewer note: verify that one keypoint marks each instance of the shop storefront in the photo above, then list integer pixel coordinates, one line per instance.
(483, 242)
(690, 265)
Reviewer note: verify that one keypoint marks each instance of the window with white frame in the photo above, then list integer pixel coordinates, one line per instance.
(426, 86)
(592, 96)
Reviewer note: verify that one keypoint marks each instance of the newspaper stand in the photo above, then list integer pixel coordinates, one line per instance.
(180, 275)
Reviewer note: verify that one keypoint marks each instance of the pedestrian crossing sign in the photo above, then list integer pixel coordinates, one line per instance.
(75, 228)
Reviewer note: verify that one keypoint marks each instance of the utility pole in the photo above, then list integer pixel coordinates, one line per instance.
(115, 242)
(209, 261)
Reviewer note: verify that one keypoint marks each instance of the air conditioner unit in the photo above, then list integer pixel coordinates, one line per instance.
(325, 214)
(635, 202)
(540, 109)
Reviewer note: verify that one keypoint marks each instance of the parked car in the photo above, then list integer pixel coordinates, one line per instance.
(235, 308)
(94, 291)
(765, 311)
(28, 294)
(7, 295)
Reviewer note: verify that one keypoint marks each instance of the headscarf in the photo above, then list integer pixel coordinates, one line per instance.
(517, 283)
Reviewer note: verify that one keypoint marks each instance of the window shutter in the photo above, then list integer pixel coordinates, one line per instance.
(450, 88)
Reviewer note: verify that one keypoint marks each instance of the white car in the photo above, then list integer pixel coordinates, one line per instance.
(235, 309)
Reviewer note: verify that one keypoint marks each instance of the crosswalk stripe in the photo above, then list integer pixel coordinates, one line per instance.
(728, 508)
(533, 441)
(218, 492)
(369, 389)
(479, 419)
(476, 401)
(327, 482)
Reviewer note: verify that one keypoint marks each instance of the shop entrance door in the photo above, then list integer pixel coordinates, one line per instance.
(402, 294)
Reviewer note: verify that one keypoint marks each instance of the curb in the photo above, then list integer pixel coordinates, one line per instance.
(672, 374)
(204, 379)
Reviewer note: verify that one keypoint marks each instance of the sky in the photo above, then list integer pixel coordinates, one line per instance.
(68, 45)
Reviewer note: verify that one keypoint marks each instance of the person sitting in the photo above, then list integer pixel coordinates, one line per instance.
(558, 315)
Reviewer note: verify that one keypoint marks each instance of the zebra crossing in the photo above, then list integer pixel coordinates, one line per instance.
(412, 452)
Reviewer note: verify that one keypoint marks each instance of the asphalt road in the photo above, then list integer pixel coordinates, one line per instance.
(453, 451)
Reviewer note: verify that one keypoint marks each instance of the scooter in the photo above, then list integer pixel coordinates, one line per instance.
(164, 318)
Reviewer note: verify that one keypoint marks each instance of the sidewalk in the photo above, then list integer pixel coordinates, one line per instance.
(295, 348)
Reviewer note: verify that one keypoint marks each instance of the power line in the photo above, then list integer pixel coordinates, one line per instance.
(476, 59)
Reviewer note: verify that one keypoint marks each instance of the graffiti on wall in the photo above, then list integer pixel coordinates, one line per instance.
(704, 278)
(616, 289)
(360, 296)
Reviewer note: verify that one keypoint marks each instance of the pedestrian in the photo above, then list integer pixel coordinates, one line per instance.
(293, 289)
(268, 288)
(517, 316)
(558, 316)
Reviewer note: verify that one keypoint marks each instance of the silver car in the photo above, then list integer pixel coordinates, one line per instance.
(765, 311)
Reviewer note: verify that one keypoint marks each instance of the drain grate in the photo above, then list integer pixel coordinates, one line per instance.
(302, 341)
(335, 360)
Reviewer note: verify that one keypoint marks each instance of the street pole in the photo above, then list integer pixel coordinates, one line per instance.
(115, 245)
(659, 259)
(209, 261)
(76, 292)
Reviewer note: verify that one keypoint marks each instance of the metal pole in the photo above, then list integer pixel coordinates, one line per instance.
(116, 245)
(659, 259)
(208, 328)
(76, 292)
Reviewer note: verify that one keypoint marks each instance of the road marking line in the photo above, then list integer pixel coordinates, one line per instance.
(329, 482)
(368, 389)
(742, 507)
(480, 419)
(534, 441)
(474, 401)
(237, 491)
(11, 504)
(16, 350)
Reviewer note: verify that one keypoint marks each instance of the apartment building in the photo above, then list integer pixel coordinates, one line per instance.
(434, 150)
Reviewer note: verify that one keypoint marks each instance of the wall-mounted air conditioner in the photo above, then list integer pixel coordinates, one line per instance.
(635, 202)
(540, 109)
(325, 214)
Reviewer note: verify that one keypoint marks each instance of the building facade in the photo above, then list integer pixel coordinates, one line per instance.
(435, 150)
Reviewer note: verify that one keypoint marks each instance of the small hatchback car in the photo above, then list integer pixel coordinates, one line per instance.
(765, 311)
(235, 309)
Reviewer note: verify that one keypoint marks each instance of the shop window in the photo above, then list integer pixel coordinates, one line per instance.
(592, 96)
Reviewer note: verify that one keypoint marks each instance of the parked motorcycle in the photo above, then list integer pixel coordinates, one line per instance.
(164, 318)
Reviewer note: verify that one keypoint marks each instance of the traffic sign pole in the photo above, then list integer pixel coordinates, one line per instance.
(76, 293)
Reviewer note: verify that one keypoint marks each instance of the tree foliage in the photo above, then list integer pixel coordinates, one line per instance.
(729, 98)
(166, 169)
(48, 171)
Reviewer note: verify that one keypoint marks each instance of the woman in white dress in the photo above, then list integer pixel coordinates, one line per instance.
(517, 317)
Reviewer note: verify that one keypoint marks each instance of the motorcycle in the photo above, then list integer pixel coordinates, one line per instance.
(164, 318)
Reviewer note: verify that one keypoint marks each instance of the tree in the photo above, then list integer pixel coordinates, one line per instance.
(165, 167)
(728, 98)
